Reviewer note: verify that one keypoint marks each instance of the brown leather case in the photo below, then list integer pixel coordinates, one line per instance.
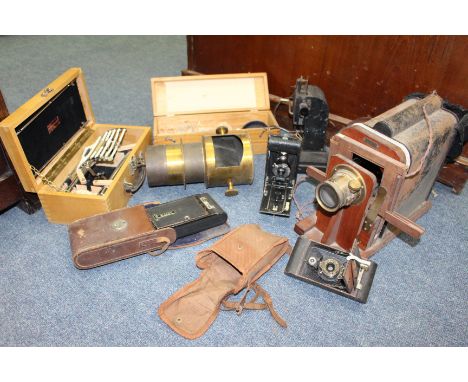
(117, 235)
(231, 264)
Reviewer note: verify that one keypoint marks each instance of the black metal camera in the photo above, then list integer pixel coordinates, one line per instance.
(280, 174)
(337, 271)
(310, 117)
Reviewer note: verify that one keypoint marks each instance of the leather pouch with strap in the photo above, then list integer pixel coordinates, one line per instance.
(117, 235)
(233, 263)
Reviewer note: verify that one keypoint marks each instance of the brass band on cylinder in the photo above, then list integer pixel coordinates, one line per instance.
(175, 164)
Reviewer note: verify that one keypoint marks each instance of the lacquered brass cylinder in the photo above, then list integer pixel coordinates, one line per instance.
(228, 159)
(175, 164)
(344, 187)
(219, 160)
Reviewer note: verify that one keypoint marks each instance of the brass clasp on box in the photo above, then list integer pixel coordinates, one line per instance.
(137, 164)
(219, 160)
(46, 92)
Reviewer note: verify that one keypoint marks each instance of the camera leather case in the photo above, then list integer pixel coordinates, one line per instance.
(118, 235)
(231, 264)
(146, 228)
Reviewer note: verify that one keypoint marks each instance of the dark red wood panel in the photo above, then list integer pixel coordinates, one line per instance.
(11, 190)
(360, 75)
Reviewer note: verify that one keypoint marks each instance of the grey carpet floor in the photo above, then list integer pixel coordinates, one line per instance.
(419, 294)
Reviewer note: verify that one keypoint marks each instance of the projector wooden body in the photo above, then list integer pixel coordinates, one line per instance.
(388, 156)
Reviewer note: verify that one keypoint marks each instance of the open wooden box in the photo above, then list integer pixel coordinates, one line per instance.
(60, 154)
(188, 107)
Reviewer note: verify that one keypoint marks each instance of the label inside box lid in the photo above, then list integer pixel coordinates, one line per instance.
(210, 93)
(46, 131)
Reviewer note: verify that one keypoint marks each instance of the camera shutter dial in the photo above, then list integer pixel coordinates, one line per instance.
(330, 268)
(281, 170)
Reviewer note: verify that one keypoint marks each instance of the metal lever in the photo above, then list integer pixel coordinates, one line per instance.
(363, 266)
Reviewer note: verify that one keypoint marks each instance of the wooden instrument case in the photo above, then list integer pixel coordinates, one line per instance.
(60, 206)
(186, 108)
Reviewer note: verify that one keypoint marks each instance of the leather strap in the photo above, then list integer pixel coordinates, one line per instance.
(239, 306)
(160, 251)
(108, 252)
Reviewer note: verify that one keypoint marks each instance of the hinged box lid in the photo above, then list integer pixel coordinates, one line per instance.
(209, 94)
(40, 128)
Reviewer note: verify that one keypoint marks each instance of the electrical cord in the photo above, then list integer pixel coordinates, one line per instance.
(301, 210)
(429, 145)
(275, 110)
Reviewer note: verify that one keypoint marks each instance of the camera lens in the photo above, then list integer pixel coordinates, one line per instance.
(328, 196)
(303, 109)
(330, 268)
(281, 170)
(344, 187)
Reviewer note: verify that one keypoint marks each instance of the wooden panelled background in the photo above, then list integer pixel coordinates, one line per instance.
(11, 190)
(360, 75)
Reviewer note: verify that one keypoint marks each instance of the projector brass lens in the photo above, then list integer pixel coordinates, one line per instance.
(345, 187)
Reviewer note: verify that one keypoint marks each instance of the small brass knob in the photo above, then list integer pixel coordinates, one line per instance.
(222, 130)
(354, 185)
(231, 191)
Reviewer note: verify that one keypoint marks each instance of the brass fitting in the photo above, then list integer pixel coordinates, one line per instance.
(231, 191)
(345, 187)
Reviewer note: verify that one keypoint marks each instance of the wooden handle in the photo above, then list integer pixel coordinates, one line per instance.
(316, 174)
(305, 225)
(403, 224)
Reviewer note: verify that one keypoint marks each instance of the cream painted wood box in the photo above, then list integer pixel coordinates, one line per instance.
(186, 108)
(62, 123)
